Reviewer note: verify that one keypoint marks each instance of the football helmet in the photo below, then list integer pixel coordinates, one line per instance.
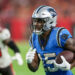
(4, 33)
(47, 15)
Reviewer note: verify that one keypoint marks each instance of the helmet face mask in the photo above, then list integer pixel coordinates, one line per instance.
(45, 16)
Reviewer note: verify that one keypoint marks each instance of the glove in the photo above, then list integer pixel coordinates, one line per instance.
(64, 66)
(30, 55)
(19, 58)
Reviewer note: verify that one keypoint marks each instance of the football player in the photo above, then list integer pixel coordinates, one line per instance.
(5, 58)
(47, 41)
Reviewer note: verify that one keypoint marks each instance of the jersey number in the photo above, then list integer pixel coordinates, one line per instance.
(51, 61)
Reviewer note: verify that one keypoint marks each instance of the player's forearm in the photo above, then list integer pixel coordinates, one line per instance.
(33, 66)
(12, 45)
(73, 64)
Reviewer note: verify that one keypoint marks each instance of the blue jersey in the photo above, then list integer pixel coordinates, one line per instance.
(54, 46)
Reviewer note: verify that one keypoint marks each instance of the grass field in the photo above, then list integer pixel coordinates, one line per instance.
(23, 70)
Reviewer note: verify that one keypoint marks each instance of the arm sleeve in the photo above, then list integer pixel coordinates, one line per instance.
(64, 36)
(12, 45)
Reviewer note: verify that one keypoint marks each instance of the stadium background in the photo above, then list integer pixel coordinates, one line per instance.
(16, 16)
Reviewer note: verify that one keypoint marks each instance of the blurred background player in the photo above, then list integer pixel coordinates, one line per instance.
(5, 58)
(48, 41)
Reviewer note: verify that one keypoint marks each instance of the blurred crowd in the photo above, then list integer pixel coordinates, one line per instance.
(16, 15)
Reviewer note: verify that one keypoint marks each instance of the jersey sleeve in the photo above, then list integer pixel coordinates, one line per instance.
(5, 34)
(64, 36)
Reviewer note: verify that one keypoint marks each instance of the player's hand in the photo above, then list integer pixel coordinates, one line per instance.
(19, 58)
(30, 55)
(64, 65)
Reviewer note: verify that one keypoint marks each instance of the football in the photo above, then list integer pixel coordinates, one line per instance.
(68, 55)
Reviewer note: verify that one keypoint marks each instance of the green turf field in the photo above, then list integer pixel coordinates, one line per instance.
(23, 70)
